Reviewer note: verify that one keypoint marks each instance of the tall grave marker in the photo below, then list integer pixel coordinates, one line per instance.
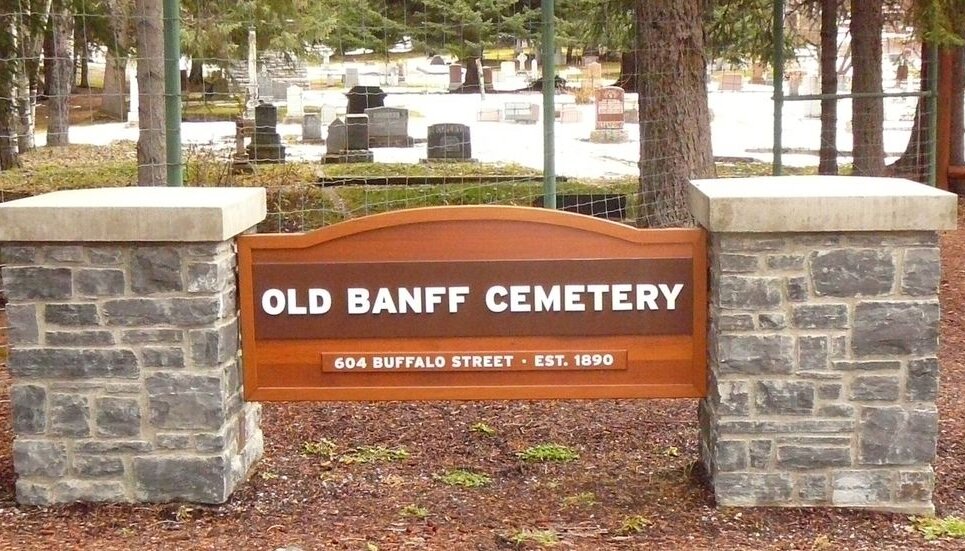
(609, 116)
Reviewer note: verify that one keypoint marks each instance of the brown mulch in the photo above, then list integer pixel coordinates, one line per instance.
(636, 458)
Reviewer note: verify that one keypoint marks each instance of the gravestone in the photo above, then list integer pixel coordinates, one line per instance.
(731, 82)
(487, 77)
(449, 142)
(631, 111)
(568, 112)
(351, 77)
(507, 70)
(312, 127)
(521, 111)
(279, 90)
(348, 141)
(132, 112)
(389, 127)
(265, 146)
(265, 88)
(295, 105)
(361, 98)
(489, 113)
(455, 76)
(437, 60)
(240, 162)
(609, 116)
(534, 69)
(592, 74)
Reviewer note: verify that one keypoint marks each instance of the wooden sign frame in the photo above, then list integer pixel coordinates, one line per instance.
(644, 365)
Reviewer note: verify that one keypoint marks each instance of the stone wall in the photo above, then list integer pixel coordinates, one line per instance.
(127, 377)
(823, 370)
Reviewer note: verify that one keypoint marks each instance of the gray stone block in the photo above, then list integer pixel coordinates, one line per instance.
(852, 272)
(23, 329)
(70, 491)
(895, 328)
(71, 363)
(731, 455)
(922, 382)
(118, 417)
(812, 353)
(39, 458)
(760, 453)
(867, 365)
(170, 478)
(29, 283)
(749, 489)
(167, 357)
(72, 315)
(68, 254)
(152, 336)
(737, 263)
(915, 486)
(29, 404)
(208, 250)
(33, 493)
(156, 270)
(732, 398)
(797, 289)
(865, 388)
(105, 256)
(173, 441)
(211, 347)
(839, 347)
(819, 316)
(780, 397)
(208, 277)
(185, 401)
(18, 254)
(829, 391)
(113, 446)
(772, 321)
(99, 282)
(785, 262)
(198, 311)
(748, 242)
(860, 488)
(98, 466)
(748, 293)
(136, 311)
(812, 457)
(69, 415)
(78, 338)
(754, 354)
(789, 426)
(836, 410)
(814, 488)
(896, 436)
(735, 322)
(922, 272)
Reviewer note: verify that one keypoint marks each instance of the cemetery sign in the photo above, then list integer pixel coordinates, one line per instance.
(474, 303)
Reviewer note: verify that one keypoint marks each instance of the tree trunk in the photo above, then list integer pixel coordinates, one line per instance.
(867, 22)
(115, 87)
(629, 70)
(61, 76)
(29, 27)
(958, 108)
(196, 75)
(913, 162)
(48, 66)
(471, 84)
(9, 157)
(675, 119)
(828, 153)
(151, 158)
(81, 51)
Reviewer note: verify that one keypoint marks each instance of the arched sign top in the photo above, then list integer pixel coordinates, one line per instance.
(473, 303)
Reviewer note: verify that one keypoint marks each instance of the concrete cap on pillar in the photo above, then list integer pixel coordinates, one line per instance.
(178, 214)
(820, 204)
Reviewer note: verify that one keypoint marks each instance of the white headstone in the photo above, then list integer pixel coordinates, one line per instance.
(296, 107)
(252, 74)
(507, 70)
(534, 69)
(521, 60)
(132, 117)
(351, 77)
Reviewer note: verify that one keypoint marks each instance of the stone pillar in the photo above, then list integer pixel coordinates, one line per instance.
(124, 344)
(824, 319)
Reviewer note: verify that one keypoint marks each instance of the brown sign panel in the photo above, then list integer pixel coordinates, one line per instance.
(474, 303)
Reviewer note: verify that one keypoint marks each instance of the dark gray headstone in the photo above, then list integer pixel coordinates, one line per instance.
(449, 141)
(388, 127)
(312, 127)
(265, 146)
(337, 140)
(361, 98)
(437, 60)
(357, 127)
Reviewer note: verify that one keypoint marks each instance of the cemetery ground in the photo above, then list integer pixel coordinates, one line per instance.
(584, 475)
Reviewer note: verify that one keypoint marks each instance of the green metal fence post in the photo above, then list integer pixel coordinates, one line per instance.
(933, 117)
(549, 109)
(778, 83)
(172, 91)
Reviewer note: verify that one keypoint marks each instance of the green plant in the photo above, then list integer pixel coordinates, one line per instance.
(935, 528)
(414, 511)
(482, 428)
(547, 538)
(548, 452)
(463, 478)
(373, 454)
(323, 448)
(582, 499)
(634, 525)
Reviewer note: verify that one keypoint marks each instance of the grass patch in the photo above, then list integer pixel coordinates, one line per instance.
(464, 478)
(414, 511)
(542, 453)
(483, 429)
(582, 499)
(634, 525)
(936, 528)
(210, 111)
(321, 448)
(373, 454)
(545, 538)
